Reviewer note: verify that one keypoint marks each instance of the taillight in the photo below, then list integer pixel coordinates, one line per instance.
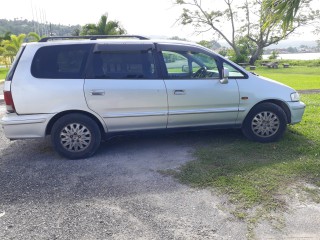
(9, 101)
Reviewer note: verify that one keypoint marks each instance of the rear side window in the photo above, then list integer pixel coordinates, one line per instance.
(123, 65)
(61, 61)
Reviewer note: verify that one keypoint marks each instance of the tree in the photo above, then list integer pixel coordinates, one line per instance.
(76, 32)
(283, 11)
(245, 47)
(223, 52)
(263, 36)
(232, 26)
(17, 27)
(274, 55)
(34, 37)
(104, 27)
(210, 44)
(292, 50)
(205, 21)
(6, 36)
(178, 38)
(11, 47)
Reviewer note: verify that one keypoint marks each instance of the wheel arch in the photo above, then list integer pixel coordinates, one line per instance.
(61, 114)
(279, 103)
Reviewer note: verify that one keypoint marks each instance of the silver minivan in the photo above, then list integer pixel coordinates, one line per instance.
(84, 89)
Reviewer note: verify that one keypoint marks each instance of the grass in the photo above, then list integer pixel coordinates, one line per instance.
(298, 77)
(259, 176)
(3, 73)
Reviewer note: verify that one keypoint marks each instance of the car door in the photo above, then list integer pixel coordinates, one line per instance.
(196, 96)
(123, 87)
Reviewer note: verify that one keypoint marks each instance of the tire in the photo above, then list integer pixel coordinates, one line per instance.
(75, 136)
(266, 122)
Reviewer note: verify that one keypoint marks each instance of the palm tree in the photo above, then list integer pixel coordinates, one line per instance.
(284, 11)
(34, 37)
(12, 46)
(104, 27)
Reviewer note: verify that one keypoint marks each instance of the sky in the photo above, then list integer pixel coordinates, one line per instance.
(144, 17)
(141, 17)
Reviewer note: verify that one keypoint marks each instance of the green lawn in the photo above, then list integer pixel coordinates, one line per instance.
(3, 73)
(298, 77)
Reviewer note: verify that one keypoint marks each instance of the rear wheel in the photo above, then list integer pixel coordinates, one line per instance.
(75, 136)
(266, 122)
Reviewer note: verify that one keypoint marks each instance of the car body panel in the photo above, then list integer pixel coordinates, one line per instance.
(258, 89)
(40, 95)
(199, 102)
(25, 126)
(127, 105)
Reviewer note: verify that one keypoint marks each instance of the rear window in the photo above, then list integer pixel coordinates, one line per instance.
(62, 61)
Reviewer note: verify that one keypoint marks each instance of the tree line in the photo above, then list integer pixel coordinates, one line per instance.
(11, 43)
(18, 26)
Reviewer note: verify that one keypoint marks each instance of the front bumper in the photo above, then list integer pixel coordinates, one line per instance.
(297, 110)
(25, 126)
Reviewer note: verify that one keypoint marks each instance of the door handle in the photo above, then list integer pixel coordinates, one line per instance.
(179, 92)
(97, 92)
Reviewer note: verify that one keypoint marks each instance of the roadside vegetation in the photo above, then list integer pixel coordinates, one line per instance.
(3, 73)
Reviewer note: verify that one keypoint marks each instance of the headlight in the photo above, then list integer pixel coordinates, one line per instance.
(295, 97)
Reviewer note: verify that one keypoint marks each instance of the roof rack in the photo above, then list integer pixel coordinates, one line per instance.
(92, 37)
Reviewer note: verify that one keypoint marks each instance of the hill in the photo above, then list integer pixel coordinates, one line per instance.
(18, 26)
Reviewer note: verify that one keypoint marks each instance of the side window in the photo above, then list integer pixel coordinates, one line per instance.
(189, 65)
(233, 73)
(65, 61)
(123, 65)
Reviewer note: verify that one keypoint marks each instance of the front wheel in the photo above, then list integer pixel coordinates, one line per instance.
(75, 136)
(266, 122)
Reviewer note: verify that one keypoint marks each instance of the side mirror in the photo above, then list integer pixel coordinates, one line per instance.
(225, 76)
(185, 69)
